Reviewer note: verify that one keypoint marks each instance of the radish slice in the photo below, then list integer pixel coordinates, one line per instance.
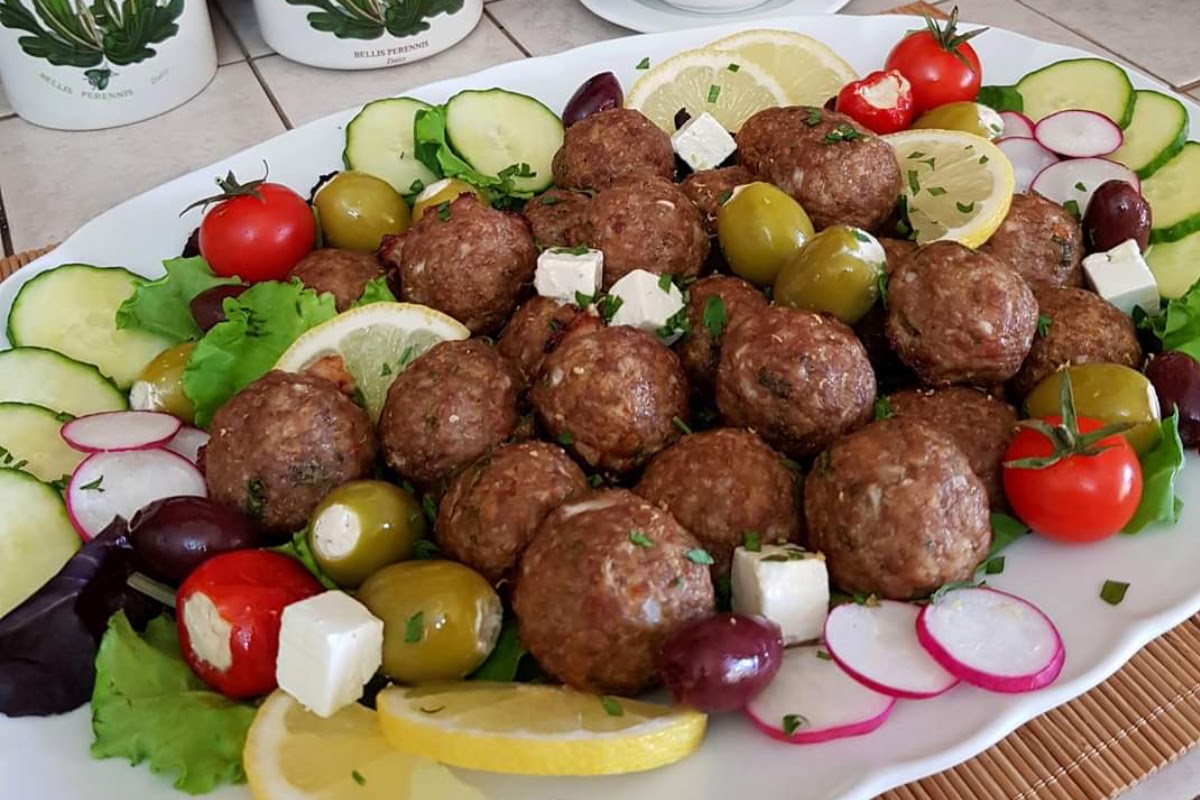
(109, 485)
(1077, 180)
(1017, 124)
(120, 431)
(815, 699)
(992, 639)
(878, 647)
(188, 442)
(1028, 159)
(1078, 134)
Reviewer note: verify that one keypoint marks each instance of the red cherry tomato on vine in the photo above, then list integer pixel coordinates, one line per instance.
(882, 101)
(939, 63)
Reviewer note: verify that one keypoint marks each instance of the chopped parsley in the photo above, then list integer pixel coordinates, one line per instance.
(983, 159)
(724, 196)
(425, 550)
(841, 133)
(753, 542)
(443, 211)
(1113, 592)
(95, 486)
(676, 582)
(714, 317)
(793, 723)
(881, 285)
(596, 481)
(521, 170)
(609, 305)
(433, 710)
(414, 629)
(385, 370)
(583, 300)
(1043, 325)
(406, 357)
(1079, 185)
(577, 250)
(430, 507)
(256, 497)
(860, 235)
(644, 64)
(965, 208)
(678, 422)
(734, 67)
(358, 778)
(994, 566)
(950, 587)
(549, 200)
(914, 182)
(915, 154)
(664, 282)
(936, 191)
(612, 706)
(883, 409)
(1072, 207)
(698, 556)
(714, 92)
(416, 187)
(790, 552)
(824, 656)
(640, 539)
(814, 117)
(676, 323)
(566, 438)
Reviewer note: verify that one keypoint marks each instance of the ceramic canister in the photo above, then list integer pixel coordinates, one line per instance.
(87, 64)
(364, 34)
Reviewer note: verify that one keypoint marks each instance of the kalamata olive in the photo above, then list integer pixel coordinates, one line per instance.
(682, 117)
(172, 537)
(598, 93)
(1176, 379)
(1115, 214)
(207, 307)
(721, 662)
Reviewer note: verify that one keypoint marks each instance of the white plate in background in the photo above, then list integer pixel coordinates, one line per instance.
(655, 16)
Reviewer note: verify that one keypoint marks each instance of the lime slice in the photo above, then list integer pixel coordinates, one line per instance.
(809, 72)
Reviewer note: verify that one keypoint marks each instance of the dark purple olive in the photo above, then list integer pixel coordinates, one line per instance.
(172, 537)
(1176, 379)
(1116, 213)
(598, 93)
(207, 307)
(191, 248)
(682, 117)
(721, 662)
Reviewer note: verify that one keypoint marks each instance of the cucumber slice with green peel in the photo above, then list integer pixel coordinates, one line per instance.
(30, 440)
(496, 131)
(1091, 84)
(34, 543)
(1173, 193)
(380, 142)
(1176, 265)
(48, 378)
(1156, 134)
(72, 309)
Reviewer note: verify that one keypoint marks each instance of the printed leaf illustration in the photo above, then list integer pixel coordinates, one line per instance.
(62, 42)
(369, 19)
(407, 17)
(129, 31)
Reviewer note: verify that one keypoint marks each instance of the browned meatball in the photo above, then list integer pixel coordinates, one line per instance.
(729, 299)
(472, 263)
(981, 425)
(709, 188)
(558, 218)
(342, 273)
(606, 580)
(897, 511)
(537, 328)
(610, 146)
(841, 173)
(959, 316)
(449, 408)
(281, 444)
(1040, 240)
(647, 224)
(1080, 327)
(896, 251)
(611, 396)
(797, 378)
(493, 507)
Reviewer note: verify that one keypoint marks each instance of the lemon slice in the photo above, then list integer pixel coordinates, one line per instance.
(376, 342)
(809, 71)
(729, 87)
(528, 729)
(292, 754)
(957, 185)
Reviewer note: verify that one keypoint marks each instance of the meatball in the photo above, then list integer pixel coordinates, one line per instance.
(896, 251)
(797, 378)
(608, 146)
(281, 444)
(708, 188)
(729, 299)
(1079, 327)
(897, 511)
(722, 485)
(1041, 241)
(449, 408)
(493, 507)
(959, 316)
(606, 579)
(471, 262)
(558, 218)
(647, 224)
(611, 396)
(981, 425)
(342, 273)
(537, 328)
(840, 172)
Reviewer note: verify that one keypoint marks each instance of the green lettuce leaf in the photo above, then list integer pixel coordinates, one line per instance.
(298, 549)
(163, 306)
(1001, 98)
(148, 706)
(1160, 467)
(1179, 324)
(505, 660)
(434, 151)
(377, 291)
(1005, 531)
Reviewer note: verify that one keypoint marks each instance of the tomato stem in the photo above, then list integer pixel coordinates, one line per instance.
(948, 38)
(1066, 439)
(231, 188)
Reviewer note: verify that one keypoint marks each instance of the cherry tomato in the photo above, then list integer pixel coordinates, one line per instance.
(882, 101)
(939, 63)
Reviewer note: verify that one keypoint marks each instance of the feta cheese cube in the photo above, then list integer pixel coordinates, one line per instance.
(330, 645)
(1122, 278)
(563, 272)
(703, 143)
(785, 584)
(648, 303)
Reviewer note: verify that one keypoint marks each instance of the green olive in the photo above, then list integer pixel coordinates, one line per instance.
(357, 210)
(447, 190)
(440, 619)
(1108, 392)
(361, 527)
(759, 228)
(159, 387)
(837, 271)
(963, 116)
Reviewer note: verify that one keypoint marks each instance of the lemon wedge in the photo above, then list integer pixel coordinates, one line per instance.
(809, 71)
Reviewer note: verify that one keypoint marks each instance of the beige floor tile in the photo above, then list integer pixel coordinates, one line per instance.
(862, 7)
(54, 181)
(1016, 17)
(551, 26)
(228, 49)
(240, 14)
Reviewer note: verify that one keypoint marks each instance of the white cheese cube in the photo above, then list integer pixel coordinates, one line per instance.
(648, 302)
(330, 646)
(563, 272)
(703, 143)
(1122, 278)
(785, 584)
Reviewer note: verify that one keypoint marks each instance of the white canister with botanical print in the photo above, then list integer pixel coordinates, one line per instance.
(364, 34)
(91, 64)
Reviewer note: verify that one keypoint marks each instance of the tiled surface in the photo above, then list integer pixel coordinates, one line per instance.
(5, 108)
(1019, 18)
(240, 14)
(229, 50)
(551, 26)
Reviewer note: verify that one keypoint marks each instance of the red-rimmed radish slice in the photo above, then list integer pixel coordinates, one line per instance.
(1078, 134)
(1017, 124)
(109, 485)
(188, 442)
(1076, 180)
(120, 431)
(811, 699)
(991, 639)
(1028, 159)
(877, 646)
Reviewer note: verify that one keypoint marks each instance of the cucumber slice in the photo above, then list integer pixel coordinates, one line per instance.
(494, 130)
(1157, 132)
(379, 141)
(1173, 193)
(72, 309)
(1176, 265)
(29, 436)
(1088, 83)
(34, 543)
(50, 379)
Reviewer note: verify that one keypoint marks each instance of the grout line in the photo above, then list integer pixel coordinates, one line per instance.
(487, 13)
(215, 8)
(287, 122)
(1189, 87)
(5, 234)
